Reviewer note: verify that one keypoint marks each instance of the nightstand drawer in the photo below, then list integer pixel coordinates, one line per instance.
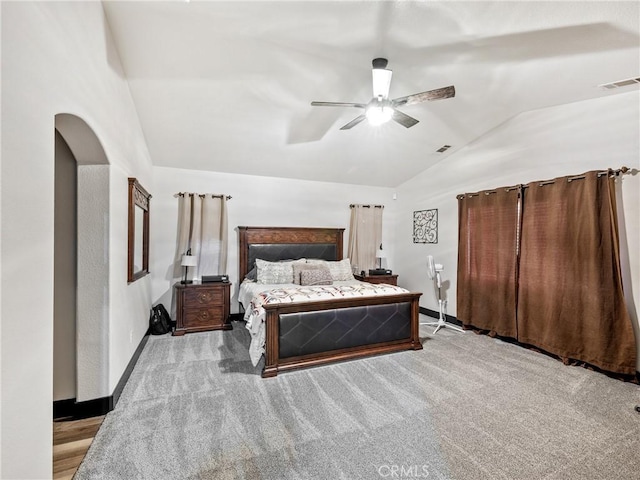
(203, 317)
(202, 296)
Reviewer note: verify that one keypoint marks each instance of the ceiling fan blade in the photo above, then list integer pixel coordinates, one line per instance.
(338, 104)
(437, 94)
(403, 119)
(354, 122)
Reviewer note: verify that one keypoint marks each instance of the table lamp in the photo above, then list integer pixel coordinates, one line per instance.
(379, 257)
(188, 260)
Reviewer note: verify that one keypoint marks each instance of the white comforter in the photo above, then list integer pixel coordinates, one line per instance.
(254, 295)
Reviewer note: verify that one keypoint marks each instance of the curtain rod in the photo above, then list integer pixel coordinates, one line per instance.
(620, 171)
(366, 206)
(201, 195)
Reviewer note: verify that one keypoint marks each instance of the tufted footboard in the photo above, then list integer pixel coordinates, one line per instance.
(314, 333)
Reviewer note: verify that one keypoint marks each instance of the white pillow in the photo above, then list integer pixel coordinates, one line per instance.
(276, 272)
(340, 271)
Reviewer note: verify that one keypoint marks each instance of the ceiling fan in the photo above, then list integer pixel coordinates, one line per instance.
(380, 108)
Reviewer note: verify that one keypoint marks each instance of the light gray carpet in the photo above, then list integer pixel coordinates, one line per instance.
(465, 407)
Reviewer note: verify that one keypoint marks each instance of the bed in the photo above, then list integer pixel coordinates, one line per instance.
(311, 332)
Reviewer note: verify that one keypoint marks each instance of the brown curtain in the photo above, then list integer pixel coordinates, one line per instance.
(570, 299)
(487, 260)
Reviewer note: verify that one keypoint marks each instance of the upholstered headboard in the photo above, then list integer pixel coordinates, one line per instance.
(287, 243)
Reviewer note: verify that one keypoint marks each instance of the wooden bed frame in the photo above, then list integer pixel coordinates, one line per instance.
(306, 311)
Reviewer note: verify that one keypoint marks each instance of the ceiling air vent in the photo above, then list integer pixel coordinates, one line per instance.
(443, 148)
(620, 83)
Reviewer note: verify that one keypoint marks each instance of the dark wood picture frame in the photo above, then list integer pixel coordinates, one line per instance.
(139, 204)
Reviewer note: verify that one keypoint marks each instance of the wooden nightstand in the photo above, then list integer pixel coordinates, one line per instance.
(389, 279)
(202, 307)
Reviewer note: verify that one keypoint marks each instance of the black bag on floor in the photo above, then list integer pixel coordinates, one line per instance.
(159, 320)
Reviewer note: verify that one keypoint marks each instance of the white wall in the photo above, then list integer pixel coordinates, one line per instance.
(128, 304)
(93, 310)
(57, 57)
(257, 201)
(543, 144)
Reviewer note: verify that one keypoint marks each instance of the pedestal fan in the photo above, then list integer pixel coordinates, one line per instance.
(433, 270)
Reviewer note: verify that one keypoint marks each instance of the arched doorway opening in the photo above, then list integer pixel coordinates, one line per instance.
(81, 263)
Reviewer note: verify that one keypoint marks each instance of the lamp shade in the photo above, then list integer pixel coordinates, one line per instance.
(189, 261)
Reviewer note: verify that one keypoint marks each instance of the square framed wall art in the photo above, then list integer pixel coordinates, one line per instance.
(425, 226)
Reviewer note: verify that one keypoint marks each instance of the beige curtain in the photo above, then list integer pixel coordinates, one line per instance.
(365, 236)
(202, 228)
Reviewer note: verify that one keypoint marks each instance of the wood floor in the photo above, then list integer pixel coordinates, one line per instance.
(71, 440)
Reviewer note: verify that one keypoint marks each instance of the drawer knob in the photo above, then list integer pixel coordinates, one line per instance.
(204, 298)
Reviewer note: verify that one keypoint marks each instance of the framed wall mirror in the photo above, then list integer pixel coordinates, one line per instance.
(138, 249)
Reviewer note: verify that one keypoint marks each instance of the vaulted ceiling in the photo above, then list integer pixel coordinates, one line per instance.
(227, 86)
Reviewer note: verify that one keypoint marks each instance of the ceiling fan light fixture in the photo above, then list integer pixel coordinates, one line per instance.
(381, 82)
(381, 109)
(379, 114)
